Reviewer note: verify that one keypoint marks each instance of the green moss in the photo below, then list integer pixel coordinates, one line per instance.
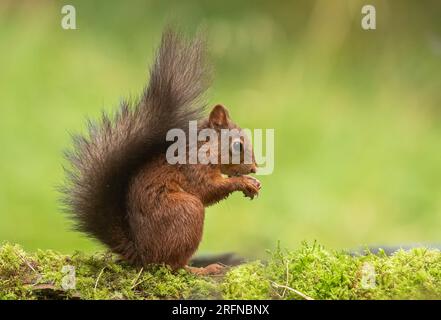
(47, 274)
(314, 272)
(308, 272)
(247, 281)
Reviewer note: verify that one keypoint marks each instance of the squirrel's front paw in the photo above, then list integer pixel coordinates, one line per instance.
(251, 187)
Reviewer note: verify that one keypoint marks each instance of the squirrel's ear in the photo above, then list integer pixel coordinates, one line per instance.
(219, 116)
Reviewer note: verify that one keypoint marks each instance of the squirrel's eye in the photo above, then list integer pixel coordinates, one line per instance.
(236, 146)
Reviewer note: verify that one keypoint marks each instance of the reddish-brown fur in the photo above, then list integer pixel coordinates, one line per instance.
(167, 204)
(122, 191)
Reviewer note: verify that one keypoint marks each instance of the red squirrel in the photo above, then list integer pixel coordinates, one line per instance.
(121, 190)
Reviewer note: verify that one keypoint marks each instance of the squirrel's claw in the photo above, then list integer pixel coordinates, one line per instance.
(252, 187)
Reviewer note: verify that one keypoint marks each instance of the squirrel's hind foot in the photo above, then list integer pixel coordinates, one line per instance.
(210, 270)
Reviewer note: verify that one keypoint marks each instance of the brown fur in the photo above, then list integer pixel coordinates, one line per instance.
(122, 191)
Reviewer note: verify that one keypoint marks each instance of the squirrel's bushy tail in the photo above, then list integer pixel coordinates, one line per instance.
(103, 161)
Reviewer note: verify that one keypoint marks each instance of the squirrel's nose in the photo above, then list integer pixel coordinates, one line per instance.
(253, 170)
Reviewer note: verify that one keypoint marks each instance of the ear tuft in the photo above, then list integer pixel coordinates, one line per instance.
(219, 116)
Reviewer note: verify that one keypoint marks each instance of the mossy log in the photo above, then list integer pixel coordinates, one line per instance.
(310, 272)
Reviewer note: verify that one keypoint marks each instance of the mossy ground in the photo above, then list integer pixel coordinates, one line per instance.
(310, 272)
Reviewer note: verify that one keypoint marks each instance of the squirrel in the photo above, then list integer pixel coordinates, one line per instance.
(119, 187)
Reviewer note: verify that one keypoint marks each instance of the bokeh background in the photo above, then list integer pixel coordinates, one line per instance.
(357, 114)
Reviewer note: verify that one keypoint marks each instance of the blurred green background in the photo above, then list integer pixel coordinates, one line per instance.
(357, 114)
